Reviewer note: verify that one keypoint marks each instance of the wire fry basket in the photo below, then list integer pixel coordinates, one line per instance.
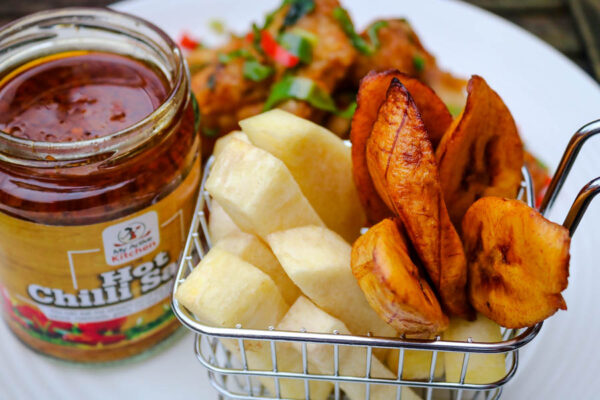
(233, 377)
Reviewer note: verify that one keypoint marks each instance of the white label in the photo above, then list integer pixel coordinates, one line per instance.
(131, 239)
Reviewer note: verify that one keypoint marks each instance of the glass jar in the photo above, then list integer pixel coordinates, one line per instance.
(91, 230)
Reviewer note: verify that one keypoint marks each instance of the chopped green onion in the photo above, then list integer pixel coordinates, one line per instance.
(541, 164)
(419, 63)
(298, 9)
(299, 88)
(256, 71)
(373, 32)
(232, 55)
(348, 112)
(297, 45)
(217, 26)
(454, 109)
(311, 37)
(256, 35)
(347, 26)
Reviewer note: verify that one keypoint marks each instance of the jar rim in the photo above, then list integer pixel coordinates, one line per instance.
(63, 149)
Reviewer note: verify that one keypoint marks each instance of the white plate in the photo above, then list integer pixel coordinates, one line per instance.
(549, 97)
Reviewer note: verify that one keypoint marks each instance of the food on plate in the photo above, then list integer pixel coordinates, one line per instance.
(481, 154)
(482, 368)
(257, 190)
(224, 290)
(404, 171)
(371, 94)
(319, 161)
(253, 250)
(306, 58)
(399, 47)
(393, 284)
(518, 262)
(318, 261)
(219, 223)
(303, 314)
(222, 142)
(251, 299)
(416, 364)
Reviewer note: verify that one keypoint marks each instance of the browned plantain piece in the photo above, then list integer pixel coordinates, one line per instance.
(393, 284)
(371, 94)
(481, 154)
(518, 262)
(402, 165)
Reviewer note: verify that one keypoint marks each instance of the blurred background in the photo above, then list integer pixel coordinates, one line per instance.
(571, 26)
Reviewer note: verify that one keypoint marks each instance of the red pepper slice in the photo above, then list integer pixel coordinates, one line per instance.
(276, 51)
(187, 42)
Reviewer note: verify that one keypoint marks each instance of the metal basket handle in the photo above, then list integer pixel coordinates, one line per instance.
(565, 165)
(580, 205)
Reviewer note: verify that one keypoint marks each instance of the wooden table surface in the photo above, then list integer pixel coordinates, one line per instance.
(558, 22)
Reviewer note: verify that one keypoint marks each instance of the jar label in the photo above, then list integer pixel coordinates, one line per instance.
(95, 286)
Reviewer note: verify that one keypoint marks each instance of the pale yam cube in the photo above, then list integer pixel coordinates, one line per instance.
(257, 190)
(224, 140)
(352, 360)
(252, 249)
(219, 223)
(319, 161)
(482, 368)
(318, 261)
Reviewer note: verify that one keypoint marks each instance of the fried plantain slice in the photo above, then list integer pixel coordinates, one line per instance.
(518, 262)
(481, 154)
(402, 165)
(393, 284)
(371, 94)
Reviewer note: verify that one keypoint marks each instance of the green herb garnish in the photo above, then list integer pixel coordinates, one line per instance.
(419, 63)
(298, 9)
(256, 71)
(232, 55)
(294, 87)
(373, 33)
(217, 26)
(348, 112)
(454, 109)
(342, 17)
(297, 45)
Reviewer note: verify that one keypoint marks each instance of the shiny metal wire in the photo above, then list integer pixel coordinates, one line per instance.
(233, 379)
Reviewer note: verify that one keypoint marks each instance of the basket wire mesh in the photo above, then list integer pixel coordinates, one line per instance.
(233, 378)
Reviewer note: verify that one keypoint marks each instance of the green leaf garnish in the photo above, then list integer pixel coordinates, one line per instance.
(373, 33)
(342, 17)
(298, 9)
(294, 87)
(256, 71)
(297, 45)
(419, 63)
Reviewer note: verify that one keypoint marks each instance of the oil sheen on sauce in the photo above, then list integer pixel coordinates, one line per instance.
(78, 96)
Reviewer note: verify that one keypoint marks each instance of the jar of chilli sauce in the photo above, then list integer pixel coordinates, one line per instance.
(99, 170)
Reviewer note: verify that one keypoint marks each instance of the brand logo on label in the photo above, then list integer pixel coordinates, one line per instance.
(134, 231)
(131, 239)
